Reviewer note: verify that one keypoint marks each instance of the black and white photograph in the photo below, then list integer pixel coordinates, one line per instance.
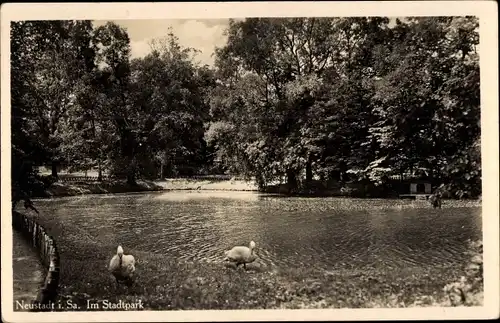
(208, 161)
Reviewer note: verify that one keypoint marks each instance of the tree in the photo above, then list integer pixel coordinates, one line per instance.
(47, 65)
(114, 108)
(428, 102)
(300, 64)
(82, 142)
(42, 62)
(168, 107)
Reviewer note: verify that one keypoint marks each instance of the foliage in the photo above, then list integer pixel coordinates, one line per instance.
(289, 100)
(428, 104)
(470, 289)
(44, 60)
(169, 113)
(331, 96)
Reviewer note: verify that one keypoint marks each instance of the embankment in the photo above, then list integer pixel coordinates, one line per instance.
(66, 188)
(105, 187)
(207, 184)
(48, 252)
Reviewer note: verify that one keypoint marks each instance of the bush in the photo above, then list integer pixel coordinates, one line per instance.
(469, 290)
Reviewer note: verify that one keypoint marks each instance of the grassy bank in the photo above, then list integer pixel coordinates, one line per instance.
(164, 283)
(62, 188)
(106, 187)
(207, 184)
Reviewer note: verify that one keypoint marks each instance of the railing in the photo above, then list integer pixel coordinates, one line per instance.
(405, 177)
(47, 251)
(222, 177)
(79, 178)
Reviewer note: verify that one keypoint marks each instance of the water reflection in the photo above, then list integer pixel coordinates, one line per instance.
(320, 232)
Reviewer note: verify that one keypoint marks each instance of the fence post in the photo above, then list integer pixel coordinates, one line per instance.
(47, 251)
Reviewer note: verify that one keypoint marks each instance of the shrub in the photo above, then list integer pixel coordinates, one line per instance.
(469, 289)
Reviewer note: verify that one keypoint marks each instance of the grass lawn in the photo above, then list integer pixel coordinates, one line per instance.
(207, 184)
(164, 283)
(61, 188)
(105, 187)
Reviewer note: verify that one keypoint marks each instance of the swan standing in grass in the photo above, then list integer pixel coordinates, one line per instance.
(241, 255)
(122, 267)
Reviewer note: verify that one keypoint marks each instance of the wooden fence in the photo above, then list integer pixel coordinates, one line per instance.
(222, 177)
(46, 247)
(80, 178)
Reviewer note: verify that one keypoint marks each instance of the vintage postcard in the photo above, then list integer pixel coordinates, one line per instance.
(249, 161)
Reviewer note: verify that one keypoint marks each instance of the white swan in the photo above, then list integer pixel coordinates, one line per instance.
(122, 266)
(241, 255)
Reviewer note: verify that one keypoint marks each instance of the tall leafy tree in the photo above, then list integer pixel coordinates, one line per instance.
(170, 107)
(301, 65)
(44, 58)
(289, 99)
(428, 102)
(328, 96)
(114, 108)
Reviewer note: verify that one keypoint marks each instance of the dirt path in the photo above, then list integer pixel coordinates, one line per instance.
(27, 270)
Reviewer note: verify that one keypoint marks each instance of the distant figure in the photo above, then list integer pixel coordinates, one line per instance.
(122, 267)
(19, 195)
(241, 255)
(28, 204)
(436, 200)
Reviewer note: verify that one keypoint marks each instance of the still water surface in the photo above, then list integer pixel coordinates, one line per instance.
(319, 232)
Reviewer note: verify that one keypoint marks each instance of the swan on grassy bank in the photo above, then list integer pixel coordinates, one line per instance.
(241, 255)
(122, 267)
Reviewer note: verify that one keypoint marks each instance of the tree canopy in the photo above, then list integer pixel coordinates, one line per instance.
(288, 99)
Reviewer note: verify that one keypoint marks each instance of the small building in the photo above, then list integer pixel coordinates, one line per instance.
(415, 188)
(420, 187)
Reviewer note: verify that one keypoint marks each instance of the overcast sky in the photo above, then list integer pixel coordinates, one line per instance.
(203, 35)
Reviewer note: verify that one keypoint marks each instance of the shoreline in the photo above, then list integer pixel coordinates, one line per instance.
(68, 189)
(168, 284)
(165, 284)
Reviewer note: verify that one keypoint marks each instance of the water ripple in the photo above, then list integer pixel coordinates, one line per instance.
(293, 232)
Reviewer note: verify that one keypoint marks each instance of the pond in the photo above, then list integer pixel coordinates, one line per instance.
(324, 233)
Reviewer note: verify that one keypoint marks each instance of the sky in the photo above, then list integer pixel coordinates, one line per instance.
(203, 35)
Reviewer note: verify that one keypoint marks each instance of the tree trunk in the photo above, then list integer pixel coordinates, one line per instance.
(291, 179)
(131, 173)
(261, 183)
(131, 178)
(99, 170)
(54, 169)
(309, 172)
(342, 168)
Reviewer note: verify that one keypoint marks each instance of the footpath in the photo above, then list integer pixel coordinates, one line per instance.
(28, 272)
